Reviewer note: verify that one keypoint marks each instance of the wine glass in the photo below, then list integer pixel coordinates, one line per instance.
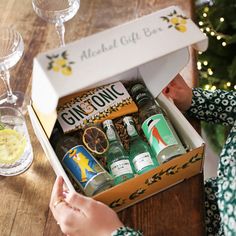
(56, 12)
(11, 50)
(16, 153)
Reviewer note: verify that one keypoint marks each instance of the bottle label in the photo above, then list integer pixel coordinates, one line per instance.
(121, 167)
(110, 132)
(142, 160)
(81, 164)
(158, 133)
(131, 130)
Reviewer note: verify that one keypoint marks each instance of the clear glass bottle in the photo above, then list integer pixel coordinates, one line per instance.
(156, 126)
(83, 167)
(141, 155)
(117, 157)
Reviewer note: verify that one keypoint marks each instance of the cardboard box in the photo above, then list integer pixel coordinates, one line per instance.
(154, 48)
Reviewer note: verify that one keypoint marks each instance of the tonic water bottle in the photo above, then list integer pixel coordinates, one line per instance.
(78, 161)
(141, 156)
(156, 126)
(117, 157)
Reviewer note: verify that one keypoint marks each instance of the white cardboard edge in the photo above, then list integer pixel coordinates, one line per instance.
(51, 156)
(39, 87)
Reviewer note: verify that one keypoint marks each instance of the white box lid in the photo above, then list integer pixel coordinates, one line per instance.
(155, 44)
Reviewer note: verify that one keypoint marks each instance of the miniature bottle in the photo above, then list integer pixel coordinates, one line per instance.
(156, 126)
(117, 157)
(78, 161)
(141, 155)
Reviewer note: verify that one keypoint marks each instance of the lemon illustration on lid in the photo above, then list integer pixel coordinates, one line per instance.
(12, 146)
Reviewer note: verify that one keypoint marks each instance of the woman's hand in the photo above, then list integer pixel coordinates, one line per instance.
(180, 93)
(80, 215)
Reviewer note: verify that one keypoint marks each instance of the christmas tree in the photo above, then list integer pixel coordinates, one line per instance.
(217, 66)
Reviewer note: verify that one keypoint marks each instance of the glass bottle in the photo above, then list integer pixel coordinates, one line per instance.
(83, 167)
(156, 126)
(117, 157)
(141, 155)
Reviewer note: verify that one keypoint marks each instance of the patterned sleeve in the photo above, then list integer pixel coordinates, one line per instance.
(126, 231)
(213, 106)
(226, 182)
(220, 193)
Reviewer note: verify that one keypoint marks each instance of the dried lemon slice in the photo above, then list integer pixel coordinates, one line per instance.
(12, 146)
(95, 140)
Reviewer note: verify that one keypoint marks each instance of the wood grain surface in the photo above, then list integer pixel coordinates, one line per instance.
(25, 198)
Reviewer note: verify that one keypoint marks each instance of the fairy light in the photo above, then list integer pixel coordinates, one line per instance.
(209, 71)
(213, 88)
(209, 29)
(234, 86)
(212, 33)
(222, 19)
(199, 65)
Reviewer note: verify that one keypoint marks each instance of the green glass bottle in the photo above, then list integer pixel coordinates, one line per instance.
(141, 156)
(117, 157)
(79, 162)
(156, 126)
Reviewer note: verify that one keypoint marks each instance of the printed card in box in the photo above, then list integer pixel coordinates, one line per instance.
(94, 106)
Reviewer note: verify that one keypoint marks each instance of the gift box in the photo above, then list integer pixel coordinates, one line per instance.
(153, 48)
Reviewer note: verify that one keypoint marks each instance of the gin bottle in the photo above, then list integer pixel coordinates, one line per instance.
(78, 161)
(117, 157)
(141, 155)
(156, 126)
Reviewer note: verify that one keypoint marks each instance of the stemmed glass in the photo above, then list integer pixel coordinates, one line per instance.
(56, 12)
(11, 50)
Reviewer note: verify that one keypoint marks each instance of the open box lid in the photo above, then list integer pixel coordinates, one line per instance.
(156, 45)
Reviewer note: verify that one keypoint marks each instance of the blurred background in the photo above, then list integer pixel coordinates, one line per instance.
(216, 66)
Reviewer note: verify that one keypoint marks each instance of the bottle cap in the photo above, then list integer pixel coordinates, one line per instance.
(107, 123)
(136, 88)
(128, 119)
(140, 93)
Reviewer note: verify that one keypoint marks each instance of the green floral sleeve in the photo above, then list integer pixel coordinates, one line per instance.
(220, 193)
(226, 183)
(214, 106)
(126, 231)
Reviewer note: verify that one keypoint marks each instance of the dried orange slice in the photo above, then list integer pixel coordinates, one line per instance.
(95, 140)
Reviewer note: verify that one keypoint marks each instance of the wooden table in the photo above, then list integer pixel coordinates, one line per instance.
(25, 198)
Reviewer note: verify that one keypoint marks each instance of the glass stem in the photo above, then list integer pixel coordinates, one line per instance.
(60, 28)
(5, 76)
